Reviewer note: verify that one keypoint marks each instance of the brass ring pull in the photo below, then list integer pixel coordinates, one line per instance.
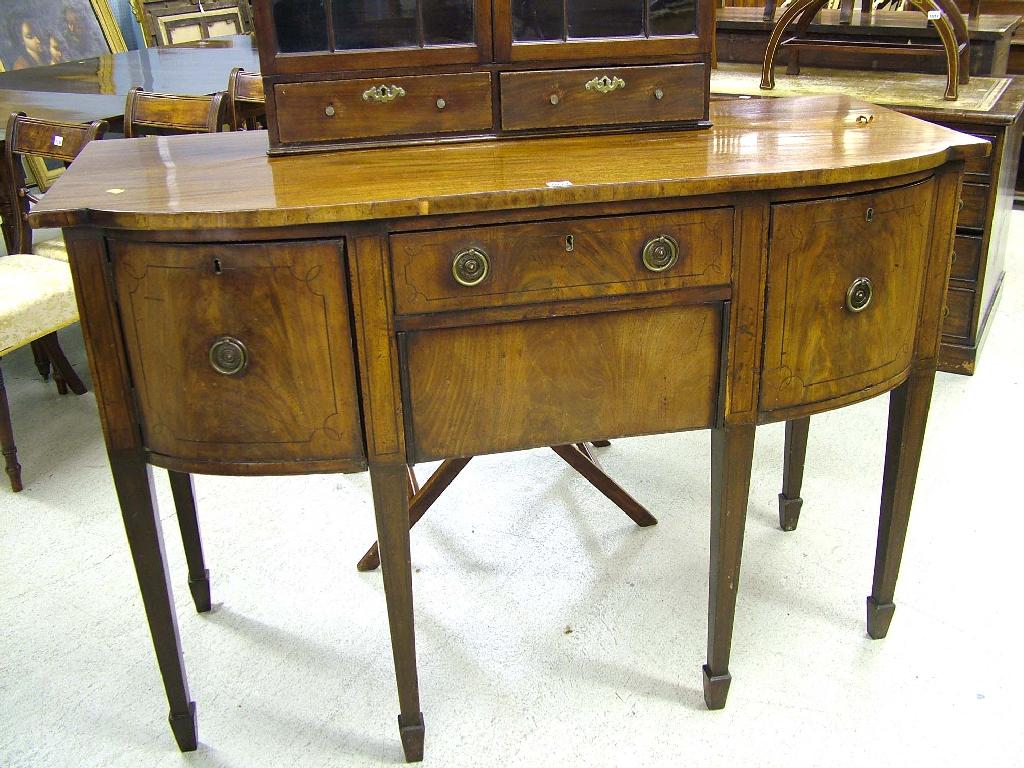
(228, 356)
(381, 94)
(858, 295)
(660, 253)
(470, 267)
(605, 84)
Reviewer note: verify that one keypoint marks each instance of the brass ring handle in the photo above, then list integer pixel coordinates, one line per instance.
(470, 267)
(660, 253)
(605, 84)
(858, 295)
(228, 356)
(381, 94)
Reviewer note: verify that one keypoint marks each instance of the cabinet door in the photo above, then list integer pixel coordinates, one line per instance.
(241, 352)
(298, 36)
(573, 30)
(844, 294)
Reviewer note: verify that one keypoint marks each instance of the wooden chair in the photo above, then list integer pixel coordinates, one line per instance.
(166, 114)
(247, 104)
(37, 297)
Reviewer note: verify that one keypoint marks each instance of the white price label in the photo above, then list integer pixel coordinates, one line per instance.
(58, 141)
(559, 183)
(934, 15)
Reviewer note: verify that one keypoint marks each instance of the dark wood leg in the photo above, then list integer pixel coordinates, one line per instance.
(188, 521)
(391, 506)
(908, 415)
(133, 480)
(732, 451)
(793, 472)
(42, 361)
(421, 500)
(10, 450)
(62, 370)
(583, 464)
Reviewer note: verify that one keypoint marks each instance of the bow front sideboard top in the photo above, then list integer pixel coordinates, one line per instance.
(247, 314)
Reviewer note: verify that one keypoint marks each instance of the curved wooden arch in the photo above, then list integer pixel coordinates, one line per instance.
(950, 25)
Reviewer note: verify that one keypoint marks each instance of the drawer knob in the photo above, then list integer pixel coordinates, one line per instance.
(858, 295)
(470, 267)
(381, 94)
(441, 103)
(659, 94)
(228, 356)
(553, 98)
(660, 253)
(329, 110)
(605, 84)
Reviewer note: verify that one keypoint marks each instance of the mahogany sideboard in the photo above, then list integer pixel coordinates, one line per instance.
(247, 314)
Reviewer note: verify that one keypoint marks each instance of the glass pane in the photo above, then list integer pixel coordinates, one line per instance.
(375, 24)
(673, 17)
(606, 18)
(301, 25)
(537, 19)
(447, 21)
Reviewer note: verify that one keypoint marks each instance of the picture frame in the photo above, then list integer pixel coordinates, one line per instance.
(45, 32)
(171, 22)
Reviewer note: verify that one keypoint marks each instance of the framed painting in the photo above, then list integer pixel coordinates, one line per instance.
(38, 33)
(169, 22)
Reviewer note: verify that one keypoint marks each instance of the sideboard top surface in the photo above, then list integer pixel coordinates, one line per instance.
(227, 181)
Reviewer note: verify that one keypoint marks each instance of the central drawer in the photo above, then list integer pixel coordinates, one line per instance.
(503, 387)
(561, 98)
(560, 260)
(332, 110)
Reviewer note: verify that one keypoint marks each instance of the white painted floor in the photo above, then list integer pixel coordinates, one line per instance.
(551, 630)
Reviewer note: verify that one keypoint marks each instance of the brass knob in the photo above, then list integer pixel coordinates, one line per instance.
(441, 103)
(660, 253)
(470, 267)
(858, 295)
(228, 356)
(659, 94)
(952, 258)
(945, 312)
(329, 110)
(553, 98)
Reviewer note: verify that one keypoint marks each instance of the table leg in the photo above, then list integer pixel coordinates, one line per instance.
(732, 452)
(908, 416)
(188, 522)
(793, 472)
(390, 486)
(133, 480)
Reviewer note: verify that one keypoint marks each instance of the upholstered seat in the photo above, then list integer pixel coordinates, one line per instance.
(51, 248)
(36, 298)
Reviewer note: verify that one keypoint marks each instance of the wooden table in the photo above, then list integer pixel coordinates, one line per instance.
(453, 300)
(742, 35)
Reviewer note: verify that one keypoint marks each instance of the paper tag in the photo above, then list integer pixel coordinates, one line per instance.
(58, 141)
(934, 15)
(559, 183)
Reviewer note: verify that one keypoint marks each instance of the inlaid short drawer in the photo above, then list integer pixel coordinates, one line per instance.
(975, 203)
(562, 98)
(958, 312)
(844, 294)
(966, 258)
(510, 264)
(387, 106)
(979, 169)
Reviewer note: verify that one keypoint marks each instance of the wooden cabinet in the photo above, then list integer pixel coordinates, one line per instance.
(440, 302)
(343, 73)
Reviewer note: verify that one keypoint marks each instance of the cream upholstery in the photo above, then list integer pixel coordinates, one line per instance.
(36, 298)
(53, 248)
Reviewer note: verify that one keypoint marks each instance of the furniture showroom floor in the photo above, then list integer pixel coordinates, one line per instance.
(551, 630)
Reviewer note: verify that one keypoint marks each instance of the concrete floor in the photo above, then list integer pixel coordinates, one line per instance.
(551, 631)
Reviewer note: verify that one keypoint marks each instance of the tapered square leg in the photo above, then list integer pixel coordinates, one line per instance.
(908, 417)
(793, 473)
(133, 481)
(390, 486)
(184, 496)
(732, 450)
